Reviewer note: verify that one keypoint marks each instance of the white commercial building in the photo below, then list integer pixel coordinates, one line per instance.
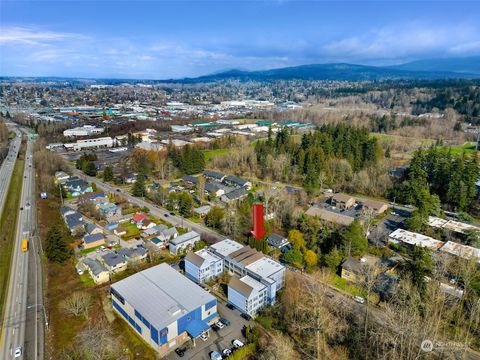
(103, 142)
(86, 130)
(256, 278)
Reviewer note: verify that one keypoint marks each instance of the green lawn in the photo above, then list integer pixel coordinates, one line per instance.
(210, 154)
(88, 251)
(8, 224)
(86, 279)
(343, 285)
(468, 147)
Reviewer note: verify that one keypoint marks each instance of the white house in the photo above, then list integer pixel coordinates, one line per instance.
(247, 294)
(202, 266)
(183, 242)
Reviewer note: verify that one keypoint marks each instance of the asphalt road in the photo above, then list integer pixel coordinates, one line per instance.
(6, 169)
(24, 280)
(210, 235)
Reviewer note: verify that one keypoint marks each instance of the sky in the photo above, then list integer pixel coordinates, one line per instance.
(174, 39)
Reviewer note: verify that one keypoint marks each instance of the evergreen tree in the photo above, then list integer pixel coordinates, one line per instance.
(90, 169)
(108, 173)
(419, 266)
(57, 249)
(215, 217)
(355, 242)
(138, 189)
(185, 204)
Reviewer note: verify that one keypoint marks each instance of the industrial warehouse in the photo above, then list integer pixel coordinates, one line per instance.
(164, 307)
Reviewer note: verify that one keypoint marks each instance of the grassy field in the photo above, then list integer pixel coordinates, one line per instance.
(468, 148)
(210, 154)
(8, 224)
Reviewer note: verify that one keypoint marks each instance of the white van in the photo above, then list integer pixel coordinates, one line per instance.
(237, 344)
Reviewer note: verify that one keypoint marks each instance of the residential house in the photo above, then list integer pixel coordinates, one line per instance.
(145, 224)
(138, 218)
(61, 177)
(93, 240)
(93, 229)
(236, 181)
(329, 216)
(354, 270)
(377, 207)
(202, 210)
(75, 223)
(213, 190)
(66, 210)
(114, 262)
(108, 209)
(277, 241)
(183, 242)
(120, 231)
(190, 180)
(133, 254)
(164, 307)
(342, 201)
(234, 195)
(213, 175)
(111, 226)
(96, 270)
(77, 187)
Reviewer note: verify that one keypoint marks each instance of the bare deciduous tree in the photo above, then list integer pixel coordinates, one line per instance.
(77, 304)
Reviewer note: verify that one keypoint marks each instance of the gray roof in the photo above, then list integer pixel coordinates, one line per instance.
(185, 237)
(74, 220)
(94, 266)
(236, 194)
(91, 227)
(129, 252)
(92, 238)
(169, 232)
(161, 294)
(211, 188)
(213, 174)
(276, 240)
(113, 259)
(190, 179)
(65, 209)
(236, 180)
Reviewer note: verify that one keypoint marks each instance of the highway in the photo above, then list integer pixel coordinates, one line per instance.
(208, 234)
(7, 167)
(24, 279)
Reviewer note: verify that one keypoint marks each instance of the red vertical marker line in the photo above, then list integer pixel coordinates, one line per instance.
(257, 219)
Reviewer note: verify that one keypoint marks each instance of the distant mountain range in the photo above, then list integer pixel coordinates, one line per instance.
(431, 69)
(428, 69)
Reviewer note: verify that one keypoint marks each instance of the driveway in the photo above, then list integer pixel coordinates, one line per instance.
(219, 339)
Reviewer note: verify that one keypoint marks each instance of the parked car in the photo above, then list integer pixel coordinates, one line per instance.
(359, 299)
(204, 336)
(214, 355)
(225, 322)
(226, 353)
(180, 351)
(219, 325)
(237, 344)
(230, 306)
(246, 316)
(166, 215)
(102, 248)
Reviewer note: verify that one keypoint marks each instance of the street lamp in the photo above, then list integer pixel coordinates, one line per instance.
(44, 312)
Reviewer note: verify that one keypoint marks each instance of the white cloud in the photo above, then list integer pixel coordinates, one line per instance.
(30, 36)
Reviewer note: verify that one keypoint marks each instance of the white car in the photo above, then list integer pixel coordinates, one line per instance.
(18, 352)
(226, 352)
(204, 336)
(237, 344)
(219, 325)
(359, 299)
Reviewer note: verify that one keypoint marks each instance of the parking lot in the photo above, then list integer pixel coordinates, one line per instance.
(218, 339)
(379, 234)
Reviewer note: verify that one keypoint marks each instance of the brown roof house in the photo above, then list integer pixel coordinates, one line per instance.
(343, 201)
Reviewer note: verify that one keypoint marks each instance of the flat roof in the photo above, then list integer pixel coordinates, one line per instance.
(415, 239)
(463, 251)
(265, 267)
(452, 225)
(329, 216)
(161, 294)
(226, 247)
